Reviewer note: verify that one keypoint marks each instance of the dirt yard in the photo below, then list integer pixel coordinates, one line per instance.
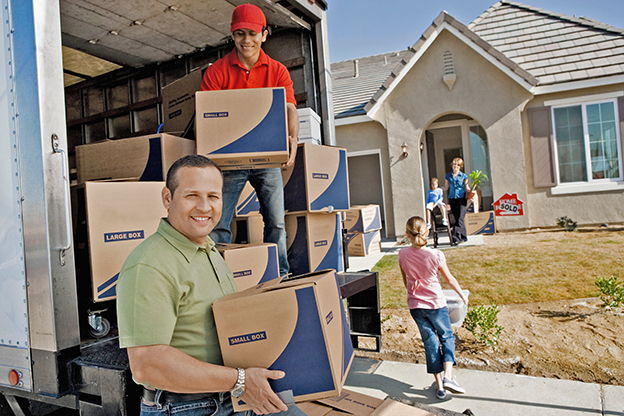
(578, 340)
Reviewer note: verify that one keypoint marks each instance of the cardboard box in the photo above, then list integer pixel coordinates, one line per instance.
(251, 264)
(314, 242)
(309, 126)
(298, 326)
(391, 407)
(178, 102)
(364, 244)
(353, 403)
(144, 158)
(363, 218)
(481, 223)
(247, 230)
(248, 203)
(318, 181)
(113, 218)
(242, 129)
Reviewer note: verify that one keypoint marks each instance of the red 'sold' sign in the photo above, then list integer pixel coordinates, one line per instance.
(509, 204)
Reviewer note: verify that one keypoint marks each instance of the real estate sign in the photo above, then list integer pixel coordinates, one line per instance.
(509, 204)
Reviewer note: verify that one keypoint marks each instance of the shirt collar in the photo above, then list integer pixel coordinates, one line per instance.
(233, 59)
(178, 240)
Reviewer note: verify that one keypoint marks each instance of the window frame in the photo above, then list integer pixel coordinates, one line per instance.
(588, 162)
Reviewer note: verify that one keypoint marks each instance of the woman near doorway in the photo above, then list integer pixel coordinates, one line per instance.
(456, 183)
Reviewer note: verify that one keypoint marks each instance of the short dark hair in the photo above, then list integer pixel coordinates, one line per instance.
(188, 161)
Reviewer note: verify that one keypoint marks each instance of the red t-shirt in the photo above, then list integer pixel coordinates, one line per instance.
(228, 73)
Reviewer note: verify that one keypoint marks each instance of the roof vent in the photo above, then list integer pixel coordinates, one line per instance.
(449, 76)
(356, 70)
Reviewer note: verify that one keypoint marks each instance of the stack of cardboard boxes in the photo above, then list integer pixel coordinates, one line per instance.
(363, 224)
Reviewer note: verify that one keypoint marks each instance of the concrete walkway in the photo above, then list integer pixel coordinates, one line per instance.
(487, 393)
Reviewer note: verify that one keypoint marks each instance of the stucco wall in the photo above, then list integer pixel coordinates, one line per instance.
(481, 91)
(585, 208)
(370, 136)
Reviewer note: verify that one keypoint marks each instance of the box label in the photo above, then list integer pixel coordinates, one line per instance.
(244, 339)
(124, 236)
(320, 176)
(242, 273)
(217, 114)
(320, 243)
(329, 317)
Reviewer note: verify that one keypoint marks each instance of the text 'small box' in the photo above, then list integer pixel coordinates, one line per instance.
(144, 158)
(363, 244)
(251, 264)
(481, 223)
(318, 181)
(297, 326)
(362, 219)
(242, 129)
(314, 242)
(112, 219)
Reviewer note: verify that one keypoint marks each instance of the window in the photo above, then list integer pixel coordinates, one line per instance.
(587, 142)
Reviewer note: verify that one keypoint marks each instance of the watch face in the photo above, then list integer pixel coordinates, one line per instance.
(238, 391)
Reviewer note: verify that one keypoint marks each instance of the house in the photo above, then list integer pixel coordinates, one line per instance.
(535, 99)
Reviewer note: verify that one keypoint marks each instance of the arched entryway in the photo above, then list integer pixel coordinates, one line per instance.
(451, 136)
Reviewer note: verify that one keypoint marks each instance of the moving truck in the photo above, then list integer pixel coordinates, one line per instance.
(75, 72)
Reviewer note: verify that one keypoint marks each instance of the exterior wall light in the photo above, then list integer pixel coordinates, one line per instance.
(404, 149)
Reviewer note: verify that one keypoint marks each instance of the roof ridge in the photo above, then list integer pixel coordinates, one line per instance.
(585, 21)
(396, 53)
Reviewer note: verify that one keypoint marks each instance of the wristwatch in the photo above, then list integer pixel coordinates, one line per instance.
(239, 388)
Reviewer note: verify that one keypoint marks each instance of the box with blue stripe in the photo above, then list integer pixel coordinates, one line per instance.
(363, 218)
(118, 216)
(314, 242)
(297, 326)
(364, 244)
(251, 264)
(318, 181)
(247, 203)
(242, 129)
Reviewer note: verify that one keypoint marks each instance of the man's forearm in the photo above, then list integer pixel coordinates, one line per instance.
(168, 368)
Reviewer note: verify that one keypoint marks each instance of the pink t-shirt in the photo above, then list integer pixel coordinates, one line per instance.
(423, 282)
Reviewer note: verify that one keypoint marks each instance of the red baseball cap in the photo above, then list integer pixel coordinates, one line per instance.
(248, 16)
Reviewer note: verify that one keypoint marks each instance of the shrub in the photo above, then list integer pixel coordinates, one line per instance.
(567, 223)
(481, 321)
(612, 291)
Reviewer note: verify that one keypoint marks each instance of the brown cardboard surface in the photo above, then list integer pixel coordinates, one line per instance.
(363, 218)
(364, 244)
(178, 101)
(144, 158)
(251, 264)
(120, 215)
(313, 409)
(483, 222)
(247, 203)
(244, 128)
(247, 230)
(298, 326)
(391, 407)
(352, 402)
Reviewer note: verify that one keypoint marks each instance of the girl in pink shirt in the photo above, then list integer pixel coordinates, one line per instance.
(420, 267)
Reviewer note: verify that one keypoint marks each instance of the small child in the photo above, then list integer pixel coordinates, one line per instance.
(420, 267)
(435, 197)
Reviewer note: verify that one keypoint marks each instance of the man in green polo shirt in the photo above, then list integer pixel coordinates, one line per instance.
(165, 293)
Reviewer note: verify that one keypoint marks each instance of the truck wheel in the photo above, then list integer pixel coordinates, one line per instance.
(102, 331)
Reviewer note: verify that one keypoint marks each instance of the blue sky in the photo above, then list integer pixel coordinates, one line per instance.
(359, 28)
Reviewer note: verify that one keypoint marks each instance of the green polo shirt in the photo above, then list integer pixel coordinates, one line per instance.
(165, 293)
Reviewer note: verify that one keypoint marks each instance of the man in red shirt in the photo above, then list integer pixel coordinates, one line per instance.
(247, 66)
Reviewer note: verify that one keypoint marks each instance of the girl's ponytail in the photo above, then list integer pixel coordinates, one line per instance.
(417, 228)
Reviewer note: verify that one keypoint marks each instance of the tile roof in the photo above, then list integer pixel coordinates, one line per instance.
(541, 47)
(550, 46)
(351, 93)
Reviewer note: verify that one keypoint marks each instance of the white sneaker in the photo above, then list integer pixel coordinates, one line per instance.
(452, 386)
(428, 225)
(445, 222)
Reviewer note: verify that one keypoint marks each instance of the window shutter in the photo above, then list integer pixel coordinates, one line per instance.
(540, 128)
(621, 116)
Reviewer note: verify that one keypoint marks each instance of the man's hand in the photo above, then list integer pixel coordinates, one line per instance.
(292, 152)
(258, 392)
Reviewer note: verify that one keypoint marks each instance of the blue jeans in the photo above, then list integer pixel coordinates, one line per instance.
(437, 335)
(221, 406)
(270, 192)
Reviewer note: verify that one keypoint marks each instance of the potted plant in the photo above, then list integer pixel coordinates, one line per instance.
(478, 178)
